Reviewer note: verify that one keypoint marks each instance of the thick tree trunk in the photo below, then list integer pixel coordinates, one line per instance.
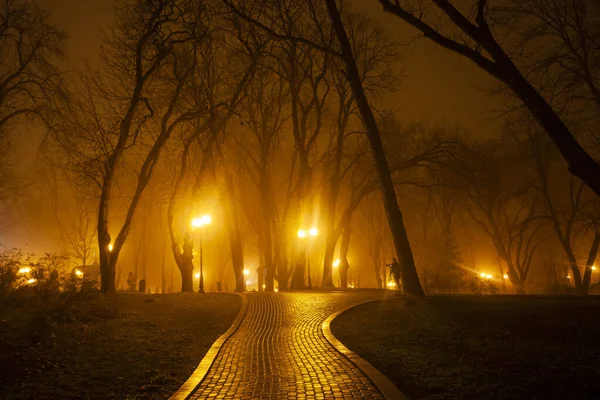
(298, 281)
(107, 273)
(587, 275)
(330, 243)
(267, 237)
(574, 268)
(281, 263)
(519, 285)
(410, 278)
(330, 231)
(344, 264)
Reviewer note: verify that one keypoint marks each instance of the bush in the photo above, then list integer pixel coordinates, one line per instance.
(34, 294)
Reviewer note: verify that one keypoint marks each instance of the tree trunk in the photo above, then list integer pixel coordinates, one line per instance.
(587, 275)
(410, 278)
(574, 268)
(281, 263)
(330, 243)
(519, 285)
(344, 264)
(107, 273)
(298, 281)
(266, 236)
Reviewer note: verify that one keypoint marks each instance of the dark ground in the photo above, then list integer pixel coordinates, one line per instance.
(489, 347)
(124, 346)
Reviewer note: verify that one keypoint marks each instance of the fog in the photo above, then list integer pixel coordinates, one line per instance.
(218, 109)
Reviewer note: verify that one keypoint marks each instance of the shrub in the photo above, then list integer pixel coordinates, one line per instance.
(34, 294)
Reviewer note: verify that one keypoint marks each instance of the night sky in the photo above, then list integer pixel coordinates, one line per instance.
(439, 87)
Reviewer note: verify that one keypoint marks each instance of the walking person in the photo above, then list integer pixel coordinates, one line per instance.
(395, 272)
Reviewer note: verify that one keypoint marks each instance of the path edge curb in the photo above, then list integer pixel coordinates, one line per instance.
(387, 387)
(190, 385)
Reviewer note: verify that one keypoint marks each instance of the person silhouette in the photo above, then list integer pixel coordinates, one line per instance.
(395, 272)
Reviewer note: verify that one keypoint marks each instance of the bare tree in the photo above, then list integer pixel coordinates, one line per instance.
(150, 57)
(568, 205)
(505, 205)
(263, 116)
(31, 83)
(477, 42)
(30, 80)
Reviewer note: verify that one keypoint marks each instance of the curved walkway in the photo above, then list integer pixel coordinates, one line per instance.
(280, 352)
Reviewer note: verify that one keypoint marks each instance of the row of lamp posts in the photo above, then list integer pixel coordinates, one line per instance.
(305, 235)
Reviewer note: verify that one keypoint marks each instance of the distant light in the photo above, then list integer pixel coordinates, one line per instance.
(301, 234)
(593, 267)
(336, 263)
(489, 276)
(246, 272)
(110, 247)
(482, 274)
(197, 275)
(248, 282)
(313, 231)
(568, 276)
(78, 272)
(30, 281)
(25, 270)
(505, 276)
(276, 290)
(201, 221)
(264, 286)
(391, 284)
(351, 286)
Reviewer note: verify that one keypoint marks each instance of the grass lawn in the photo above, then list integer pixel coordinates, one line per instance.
(123, 346)
(489, 347)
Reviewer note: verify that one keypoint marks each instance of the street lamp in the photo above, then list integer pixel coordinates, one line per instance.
(302, 234)
(199, 222)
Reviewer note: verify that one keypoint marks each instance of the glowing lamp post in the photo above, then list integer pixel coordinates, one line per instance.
(199, 223)
(302, 234)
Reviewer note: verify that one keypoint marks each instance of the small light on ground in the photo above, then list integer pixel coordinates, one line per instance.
(78, 272)
(505, 276)
(276, 290)
(25, 270)
(489, 276)
(30, 281)
(482, 274)
(568, 276)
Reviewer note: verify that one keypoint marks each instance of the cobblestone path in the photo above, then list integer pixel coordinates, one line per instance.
(279, 352)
